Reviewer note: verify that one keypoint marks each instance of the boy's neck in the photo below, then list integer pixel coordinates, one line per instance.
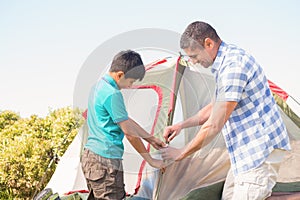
(114, 75)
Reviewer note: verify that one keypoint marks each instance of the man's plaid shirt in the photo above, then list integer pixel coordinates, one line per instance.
(255, 127)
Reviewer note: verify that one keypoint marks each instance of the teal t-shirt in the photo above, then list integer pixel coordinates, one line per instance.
(106, 109)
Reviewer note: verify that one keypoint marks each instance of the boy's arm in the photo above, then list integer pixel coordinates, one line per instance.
(137, 143)
(130, 127)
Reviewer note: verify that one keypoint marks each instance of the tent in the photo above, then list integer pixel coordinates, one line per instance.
(172, 91)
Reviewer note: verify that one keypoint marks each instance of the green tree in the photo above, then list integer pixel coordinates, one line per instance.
(27, 147)
(7, 118)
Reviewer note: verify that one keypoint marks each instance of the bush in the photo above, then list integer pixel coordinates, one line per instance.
(8, 118)
(27, 147)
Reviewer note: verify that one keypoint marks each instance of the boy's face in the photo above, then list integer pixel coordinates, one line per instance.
(124, 83)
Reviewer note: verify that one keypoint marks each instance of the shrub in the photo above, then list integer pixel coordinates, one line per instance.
(7, 118)
(27, 147)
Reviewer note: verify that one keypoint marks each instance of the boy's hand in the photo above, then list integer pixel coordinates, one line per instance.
(156, 143)
(159, 164)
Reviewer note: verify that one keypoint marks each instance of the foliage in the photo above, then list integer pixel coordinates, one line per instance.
(28, 145)
(7, 118)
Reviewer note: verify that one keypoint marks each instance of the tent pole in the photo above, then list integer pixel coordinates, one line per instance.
(178, 74)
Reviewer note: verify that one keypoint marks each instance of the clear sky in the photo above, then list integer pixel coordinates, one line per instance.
(43, 44)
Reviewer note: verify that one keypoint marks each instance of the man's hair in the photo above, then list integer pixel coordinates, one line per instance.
(195, 34)
(130, 63)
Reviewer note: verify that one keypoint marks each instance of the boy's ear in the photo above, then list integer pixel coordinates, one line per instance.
(120, 74)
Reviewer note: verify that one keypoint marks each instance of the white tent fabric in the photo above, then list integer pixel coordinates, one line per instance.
(68, 175)
(150, 104)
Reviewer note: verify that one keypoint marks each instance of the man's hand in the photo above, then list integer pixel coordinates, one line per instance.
(171, 132)
(171, 154)
(156, 143)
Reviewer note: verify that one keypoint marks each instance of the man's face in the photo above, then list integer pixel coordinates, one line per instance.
(199, 55)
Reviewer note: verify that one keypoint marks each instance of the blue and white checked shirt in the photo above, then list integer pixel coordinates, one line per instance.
(255, 127)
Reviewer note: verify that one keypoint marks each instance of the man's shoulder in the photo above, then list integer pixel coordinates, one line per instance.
(235, 55)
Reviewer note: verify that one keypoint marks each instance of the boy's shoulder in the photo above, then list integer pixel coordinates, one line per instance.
(106, 91)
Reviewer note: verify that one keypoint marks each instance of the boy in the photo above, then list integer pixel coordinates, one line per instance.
(108, 122)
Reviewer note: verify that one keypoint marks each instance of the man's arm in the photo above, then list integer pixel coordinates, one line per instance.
(198, 119)
(130, 127)
(220, 113)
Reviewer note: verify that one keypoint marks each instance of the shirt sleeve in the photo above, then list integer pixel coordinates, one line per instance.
(231, 83)
(114, 104)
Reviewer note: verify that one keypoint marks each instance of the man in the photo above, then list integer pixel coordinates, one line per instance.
(108, 121)
(243, 108)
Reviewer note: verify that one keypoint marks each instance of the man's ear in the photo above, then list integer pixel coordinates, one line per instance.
(208, 43)
(119, 74)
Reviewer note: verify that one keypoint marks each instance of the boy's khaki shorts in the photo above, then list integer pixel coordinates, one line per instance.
(104, 176)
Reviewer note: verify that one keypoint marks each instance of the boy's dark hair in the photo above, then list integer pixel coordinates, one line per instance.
(195, 34)
(130, 63)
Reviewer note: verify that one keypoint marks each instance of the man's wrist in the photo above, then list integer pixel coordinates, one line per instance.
(180, 125)
(181, 155)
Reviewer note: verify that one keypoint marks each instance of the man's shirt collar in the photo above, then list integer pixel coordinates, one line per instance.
(219, 58)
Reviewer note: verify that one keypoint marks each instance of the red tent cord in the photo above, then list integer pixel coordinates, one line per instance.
(277, 90)
(158, 90)
(172, 99)
(154, 64)
(171, 107)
